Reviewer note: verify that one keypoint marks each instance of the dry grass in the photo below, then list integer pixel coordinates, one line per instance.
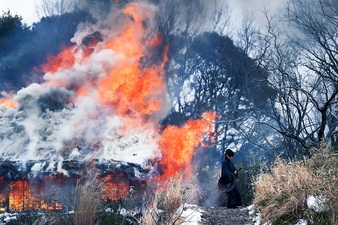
(324, 163)
(282, 194)
(87, 199)
(284, 191)
(166, 204)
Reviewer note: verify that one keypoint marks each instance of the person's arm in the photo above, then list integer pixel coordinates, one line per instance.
(233, 170)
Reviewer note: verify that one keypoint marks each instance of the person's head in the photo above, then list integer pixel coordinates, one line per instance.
(229, 154)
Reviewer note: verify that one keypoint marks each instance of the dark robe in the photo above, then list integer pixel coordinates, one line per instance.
(234, 197)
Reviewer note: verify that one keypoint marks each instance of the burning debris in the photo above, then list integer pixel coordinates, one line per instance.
(21, 184)
(100, 106)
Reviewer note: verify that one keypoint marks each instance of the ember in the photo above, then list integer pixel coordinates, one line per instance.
(17, 195)
(116, 186)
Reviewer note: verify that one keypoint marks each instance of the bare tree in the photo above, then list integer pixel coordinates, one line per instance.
(180, 22)
(302, 59)
(207, 72)
(48, 8)
(247, 37)
(221, 18)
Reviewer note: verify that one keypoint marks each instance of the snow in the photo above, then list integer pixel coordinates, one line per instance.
(191, 214)
(7, 217)
(301, 222)
(256, 216)
(316, 203)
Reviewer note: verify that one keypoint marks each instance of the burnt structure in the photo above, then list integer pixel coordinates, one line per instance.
(40, 184)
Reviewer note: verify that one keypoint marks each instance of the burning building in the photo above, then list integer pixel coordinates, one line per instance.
(99, 106)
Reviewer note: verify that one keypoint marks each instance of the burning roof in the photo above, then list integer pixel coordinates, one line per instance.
(101, 103)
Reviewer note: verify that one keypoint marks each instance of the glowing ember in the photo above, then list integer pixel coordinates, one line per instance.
(19, 196)
(116, 186)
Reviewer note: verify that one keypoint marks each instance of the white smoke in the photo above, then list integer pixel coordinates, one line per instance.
(52, 124)
(70, 134)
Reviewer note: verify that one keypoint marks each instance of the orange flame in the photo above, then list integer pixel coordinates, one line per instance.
(178, 144)
(137, 92)
(8, 102)
(130, 88)
(116, 186)
(65, 60)
(20, 197)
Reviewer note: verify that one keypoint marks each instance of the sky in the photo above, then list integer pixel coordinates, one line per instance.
(24, 8)
(27, 8)
(256, 7)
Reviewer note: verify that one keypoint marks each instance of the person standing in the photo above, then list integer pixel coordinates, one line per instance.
(229, 175)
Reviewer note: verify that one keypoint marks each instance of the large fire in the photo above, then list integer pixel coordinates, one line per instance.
(18, 195)
(129, 97)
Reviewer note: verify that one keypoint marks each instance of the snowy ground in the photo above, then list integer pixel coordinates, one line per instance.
(195, 215)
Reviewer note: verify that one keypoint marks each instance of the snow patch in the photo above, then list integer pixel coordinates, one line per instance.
(316, 203)
(191, 214)
(301, 222)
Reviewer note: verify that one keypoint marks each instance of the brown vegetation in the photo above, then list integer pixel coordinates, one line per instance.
(87, 200)
(167, 203)
(281, 195)
(324, 163)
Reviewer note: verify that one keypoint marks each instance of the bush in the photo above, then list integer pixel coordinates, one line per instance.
(167, 203)
(246, 178)
(324, 163)
(281, 195)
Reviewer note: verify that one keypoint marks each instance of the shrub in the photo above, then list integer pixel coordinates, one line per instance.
(282, 194)
(245, 184)
(324, 163)
(167, 203)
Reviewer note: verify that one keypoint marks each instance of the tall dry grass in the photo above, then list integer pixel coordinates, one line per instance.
(166, 205)
(88, 194)
(324, 163)
(284, 191)
(281, 195)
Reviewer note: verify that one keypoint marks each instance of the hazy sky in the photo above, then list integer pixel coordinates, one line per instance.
(240, 7)
(27, 8)
(24, 8)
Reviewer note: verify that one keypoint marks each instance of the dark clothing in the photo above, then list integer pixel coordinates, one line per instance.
(228, 174)
(228, 170)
